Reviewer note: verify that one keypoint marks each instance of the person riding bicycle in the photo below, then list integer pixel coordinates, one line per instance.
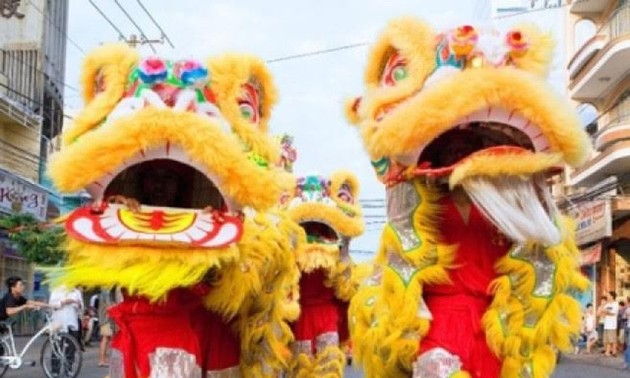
(14, 300)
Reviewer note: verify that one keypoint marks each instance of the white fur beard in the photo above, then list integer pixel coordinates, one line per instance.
(522, 209)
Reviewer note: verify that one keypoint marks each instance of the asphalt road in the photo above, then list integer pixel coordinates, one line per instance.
(90, 369)
(568, 369)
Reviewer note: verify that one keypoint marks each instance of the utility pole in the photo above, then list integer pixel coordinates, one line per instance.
(134, 42)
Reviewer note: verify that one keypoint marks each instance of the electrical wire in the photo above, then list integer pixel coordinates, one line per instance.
(155, 23)
(120, 34)
(142, 35)
(58, 27)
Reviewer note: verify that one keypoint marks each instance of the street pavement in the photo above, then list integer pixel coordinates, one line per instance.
(571, 366)
(568, 368)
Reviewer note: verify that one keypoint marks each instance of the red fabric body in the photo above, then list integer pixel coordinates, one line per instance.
(320, 308)
(457, 308)
(218, 340)
(145, 326)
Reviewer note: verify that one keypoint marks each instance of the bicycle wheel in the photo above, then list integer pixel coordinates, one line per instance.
(4, 352)
(61, 356)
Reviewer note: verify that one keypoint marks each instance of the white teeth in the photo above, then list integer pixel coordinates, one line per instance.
(85, 227)
(195, 233)
(145, 236)
(227, 233)
(492, 114)
(116, 231)
(162, 237)
(108, 222)
(184, 99)
(205, 226)
(128, 235)
(181, 237)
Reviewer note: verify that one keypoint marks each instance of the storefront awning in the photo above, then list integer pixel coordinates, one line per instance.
(591, 255)
(622, 247)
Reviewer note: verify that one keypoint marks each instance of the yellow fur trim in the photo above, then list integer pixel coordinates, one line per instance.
(539, 55)
(512, 164)
(265, 332)
(429, 112)
(435, 110)
(310, 257)
(114, 62)
(337, 180)
(145, 271)
(555, 319)
(350, 110)
(425, 217)
(415, 41)
(329, 363)
(109, 146)
(333, 216)
(229, 73)
(385, 327)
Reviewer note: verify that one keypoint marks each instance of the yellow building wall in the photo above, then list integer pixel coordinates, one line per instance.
(19, 149)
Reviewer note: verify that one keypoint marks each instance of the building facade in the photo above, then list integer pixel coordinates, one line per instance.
(598, 194)
(33, 38)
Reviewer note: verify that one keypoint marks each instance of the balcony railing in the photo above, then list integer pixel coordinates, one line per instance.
(619, 22)
(621, 120)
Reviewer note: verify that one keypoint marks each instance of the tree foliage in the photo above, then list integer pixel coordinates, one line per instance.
(38, 242)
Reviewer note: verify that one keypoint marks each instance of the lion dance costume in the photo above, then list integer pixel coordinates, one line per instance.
(328, 211)
(183, 150)
(475, 266)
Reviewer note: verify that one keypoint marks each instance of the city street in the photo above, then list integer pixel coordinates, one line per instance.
(568, 368)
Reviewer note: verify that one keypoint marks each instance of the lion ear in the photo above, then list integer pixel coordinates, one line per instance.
(344, 186)
(413, 40)
(105, 73)
(351, 108)
(539, 53)
(231, 73)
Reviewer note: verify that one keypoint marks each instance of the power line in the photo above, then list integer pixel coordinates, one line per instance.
(120, 34)
(155, 23)
(537, 10)
(317, 52)
(58, 27)
(142, 35)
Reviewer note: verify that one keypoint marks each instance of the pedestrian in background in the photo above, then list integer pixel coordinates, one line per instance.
(610, 313)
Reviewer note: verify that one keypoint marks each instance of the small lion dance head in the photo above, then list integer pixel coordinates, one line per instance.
(328, 211)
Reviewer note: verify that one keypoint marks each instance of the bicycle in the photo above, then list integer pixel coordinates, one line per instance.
(60, 356)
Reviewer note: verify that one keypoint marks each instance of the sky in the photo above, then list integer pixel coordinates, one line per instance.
(312, 89)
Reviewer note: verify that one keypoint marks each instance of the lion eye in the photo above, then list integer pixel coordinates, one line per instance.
(395, 70)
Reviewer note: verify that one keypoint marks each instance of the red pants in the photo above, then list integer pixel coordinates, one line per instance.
(456, 327)
(218, 341)
(178, 323)
(314, 321)
(142, 331)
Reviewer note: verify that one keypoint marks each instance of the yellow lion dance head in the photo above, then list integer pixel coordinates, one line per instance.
(467, 108)
(329, 213)
(186, 147)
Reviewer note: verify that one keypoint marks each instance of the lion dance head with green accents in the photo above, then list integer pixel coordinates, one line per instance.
(328, 211)
(178, 160)
(464, 132)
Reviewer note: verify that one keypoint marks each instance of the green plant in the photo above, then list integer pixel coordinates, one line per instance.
(38, 242)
